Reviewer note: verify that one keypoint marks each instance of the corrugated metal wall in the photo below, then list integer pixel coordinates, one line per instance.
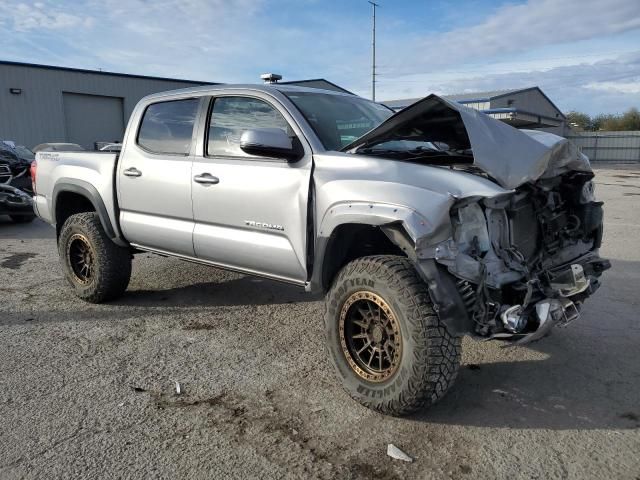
(529, 101)
(609, 146)
(93, 118)
(36, 115)
(533, 101)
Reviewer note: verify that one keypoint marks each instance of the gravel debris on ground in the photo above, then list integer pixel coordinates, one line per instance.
(88, 391)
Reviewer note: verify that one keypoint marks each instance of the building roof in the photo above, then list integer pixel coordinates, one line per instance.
(465, 97)
(101, 72)
(461, 97)
(473, 97)
(329, 85)
(484, 96)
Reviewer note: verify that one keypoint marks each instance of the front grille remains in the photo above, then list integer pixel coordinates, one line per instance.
(523, 227)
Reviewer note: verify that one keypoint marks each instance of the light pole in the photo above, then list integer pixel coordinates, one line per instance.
(373, 50)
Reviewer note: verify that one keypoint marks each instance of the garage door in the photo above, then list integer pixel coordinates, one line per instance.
(93, 118)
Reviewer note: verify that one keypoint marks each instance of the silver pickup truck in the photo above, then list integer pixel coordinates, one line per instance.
(420, 226)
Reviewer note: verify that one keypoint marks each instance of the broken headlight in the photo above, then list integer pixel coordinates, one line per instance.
(471, 233)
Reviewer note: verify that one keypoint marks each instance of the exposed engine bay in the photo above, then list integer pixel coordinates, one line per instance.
(524, 257)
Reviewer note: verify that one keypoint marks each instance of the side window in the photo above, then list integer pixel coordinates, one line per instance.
(167, 127)
(231, 116)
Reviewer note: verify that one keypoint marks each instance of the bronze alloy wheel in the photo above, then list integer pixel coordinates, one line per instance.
(370, 336)
(96, 268)
(81, 258)
(385, 339)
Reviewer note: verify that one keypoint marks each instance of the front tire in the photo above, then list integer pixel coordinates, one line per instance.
(386, 341)
(96, 268)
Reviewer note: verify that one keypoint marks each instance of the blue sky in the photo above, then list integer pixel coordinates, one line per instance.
(585, 54)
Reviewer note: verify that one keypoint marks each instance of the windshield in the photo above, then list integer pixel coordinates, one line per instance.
(338, 120)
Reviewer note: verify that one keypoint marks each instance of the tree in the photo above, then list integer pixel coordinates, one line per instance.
(579, 120)
(605, 121)
(630, 120)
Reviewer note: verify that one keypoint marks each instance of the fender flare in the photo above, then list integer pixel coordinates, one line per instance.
(404, 227)
(90, 192)
(375, 214)
(364, 213)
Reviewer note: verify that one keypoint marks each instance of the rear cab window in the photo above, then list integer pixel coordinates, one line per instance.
(167, 127)
(231, 116)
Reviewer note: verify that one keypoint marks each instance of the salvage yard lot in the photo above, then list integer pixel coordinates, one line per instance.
(89, 390)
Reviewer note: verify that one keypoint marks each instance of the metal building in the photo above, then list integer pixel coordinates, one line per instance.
(522, 108)
(40, 103)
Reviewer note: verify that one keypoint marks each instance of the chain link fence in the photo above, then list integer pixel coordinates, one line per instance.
(619, 147)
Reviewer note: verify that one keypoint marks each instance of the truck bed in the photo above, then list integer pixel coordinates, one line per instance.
(89, 172)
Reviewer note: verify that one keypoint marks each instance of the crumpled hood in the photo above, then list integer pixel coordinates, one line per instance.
(510, 156)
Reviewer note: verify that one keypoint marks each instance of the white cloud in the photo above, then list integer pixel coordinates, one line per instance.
(620, 69)
(632, 86)
(236, 40)
(601, 86)
(515, 28)
(24, 17)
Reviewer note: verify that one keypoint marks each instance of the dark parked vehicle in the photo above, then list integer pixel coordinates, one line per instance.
(18, 160)
(15, 182)
(15, 203)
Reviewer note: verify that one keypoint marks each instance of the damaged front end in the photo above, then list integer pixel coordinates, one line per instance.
(515, 263)
(526, 260)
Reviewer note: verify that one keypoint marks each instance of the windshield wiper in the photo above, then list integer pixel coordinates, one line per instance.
(372, 150)
(380, 151)
(430, 155)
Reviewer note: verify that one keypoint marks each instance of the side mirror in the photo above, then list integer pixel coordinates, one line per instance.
(268, 142)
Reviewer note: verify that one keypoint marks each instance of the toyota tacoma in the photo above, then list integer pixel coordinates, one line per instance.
(419, 227)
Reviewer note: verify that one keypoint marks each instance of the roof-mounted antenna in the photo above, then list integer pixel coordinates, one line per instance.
(270, 77)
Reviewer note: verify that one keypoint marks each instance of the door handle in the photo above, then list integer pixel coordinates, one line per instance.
(132, 172)
(206, 179)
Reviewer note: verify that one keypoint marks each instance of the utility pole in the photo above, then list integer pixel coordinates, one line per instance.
(373, 58)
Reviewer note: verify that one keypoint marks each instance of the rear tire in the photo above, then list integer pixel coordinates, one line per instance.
(96, 268)
(22, 218)
(412, 360)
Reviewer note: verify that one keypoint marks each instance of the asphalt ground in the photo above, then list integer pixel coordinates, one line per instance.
(88, 391)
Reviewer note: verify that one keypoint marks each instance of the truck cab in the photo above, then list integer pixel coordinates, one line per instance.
(186, 186)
